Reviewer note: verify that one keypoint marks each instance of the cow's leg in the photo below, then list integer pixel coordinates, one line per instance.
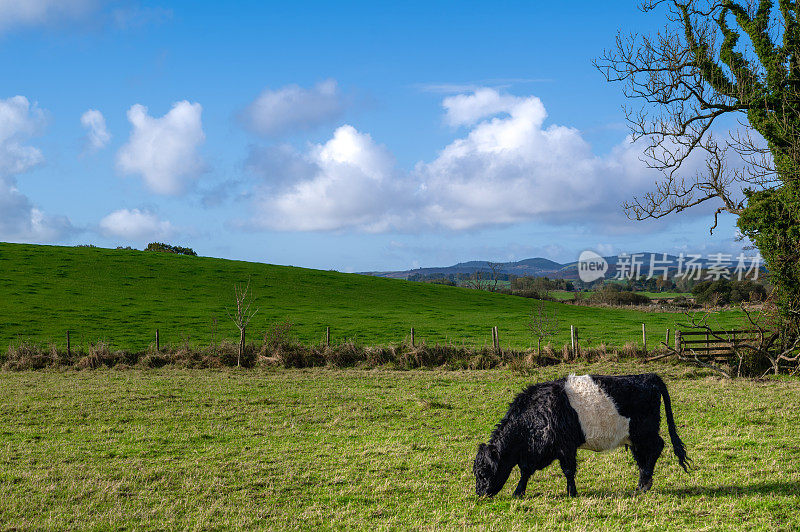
(646, 452)
(523, 482)
(569, 463)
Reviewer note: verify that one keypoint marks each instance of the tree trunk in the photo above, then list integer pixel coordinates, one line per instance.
(241, 347)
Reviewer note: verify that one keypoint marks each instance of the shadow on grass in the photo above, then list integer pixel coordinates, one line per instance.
(734, 490)
(739, 490)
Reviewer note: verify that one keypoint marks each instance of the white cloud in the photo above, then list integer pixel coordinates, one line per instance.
(346, 182)
(135, 225)
(513, 168)
(606, 250)
(15, 13)
(97, 135)
(467, 109)
(20, 220)
(509, 168)
(474, 86)
(293, 108)
(163, 151)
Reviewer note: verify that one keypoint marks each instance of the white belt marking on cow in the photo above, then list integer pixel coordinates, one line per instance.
(603, 427)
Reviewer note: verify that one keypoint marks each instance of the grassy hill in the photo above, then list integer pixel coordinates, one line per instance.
(123, 296)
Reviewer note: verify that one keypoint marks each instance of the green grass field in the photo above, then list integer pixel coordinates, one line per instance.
(122, 297)
(368, 450)
(563, 295)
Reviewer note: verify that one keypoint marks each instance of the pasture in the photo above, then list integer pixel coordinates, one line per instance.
(304, 449)
(563, 295)
(123, 296)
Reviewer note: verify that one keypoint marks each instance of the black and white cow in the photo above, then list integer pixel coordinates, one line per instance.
(552, 420)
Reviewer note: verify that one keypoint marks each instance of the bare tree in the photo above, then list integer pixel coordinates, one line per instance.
(483, 280)
(542, 324)
(242, 316)
(494, 274)
(478, 280)
(714, 59)
(714, 63)
(777, 343)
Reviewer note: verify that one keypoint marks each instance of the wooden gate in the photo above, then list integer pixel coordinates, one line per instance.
(714, 345)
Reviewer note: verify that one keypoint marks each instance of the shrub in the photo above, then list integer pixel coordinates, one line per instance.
(441, 280)
(613, 295)
(485, 359)
(633, 350)
(533, 293)
(526, 362)
(167, 248)
(682, 301)
(26, 355)
(343, 355)
(590, 354)
(277, 334)
(727, 292)
(99, 355)
(154, 360)
(295, 355)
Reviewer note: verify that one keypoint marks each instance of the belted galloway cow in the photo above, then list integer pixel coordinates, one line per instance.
(552, 420)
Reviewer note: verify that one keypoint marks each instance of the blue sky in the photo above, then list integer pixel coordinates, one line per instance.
(353, 136)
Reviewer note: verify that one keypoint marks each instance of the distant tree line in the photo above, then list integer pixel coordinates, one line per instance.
(167, 248)
(536, 287)
(609, 291)
(617, 294)
(727, 292)
(152, 246)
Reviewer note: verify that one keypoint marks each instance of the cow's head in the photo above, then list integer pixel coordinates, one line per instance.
(487, 463)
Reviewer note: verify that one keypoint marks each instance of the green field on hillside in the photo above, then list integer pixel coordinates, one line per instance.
(317, 449)
(123, 296)
(564, 295)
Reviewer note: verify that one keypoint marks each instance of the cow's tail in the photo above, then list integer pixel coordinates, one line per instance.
(677, 444)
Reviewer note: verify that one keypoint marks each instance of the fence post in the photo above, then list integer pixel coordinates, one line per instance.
(666, 341)
(644, 338)
(678, 342)
(158, 341)
(573, 333)
(327, 336)
(497, 338)
(69, 346)
(412, 336)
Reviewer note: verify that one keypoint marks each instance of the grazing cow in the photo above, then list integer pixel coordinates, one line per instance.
(552, 420)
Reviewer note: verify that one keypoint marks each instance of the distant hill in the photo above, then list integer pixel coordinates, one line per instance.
(538, 267)
(541, 267)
